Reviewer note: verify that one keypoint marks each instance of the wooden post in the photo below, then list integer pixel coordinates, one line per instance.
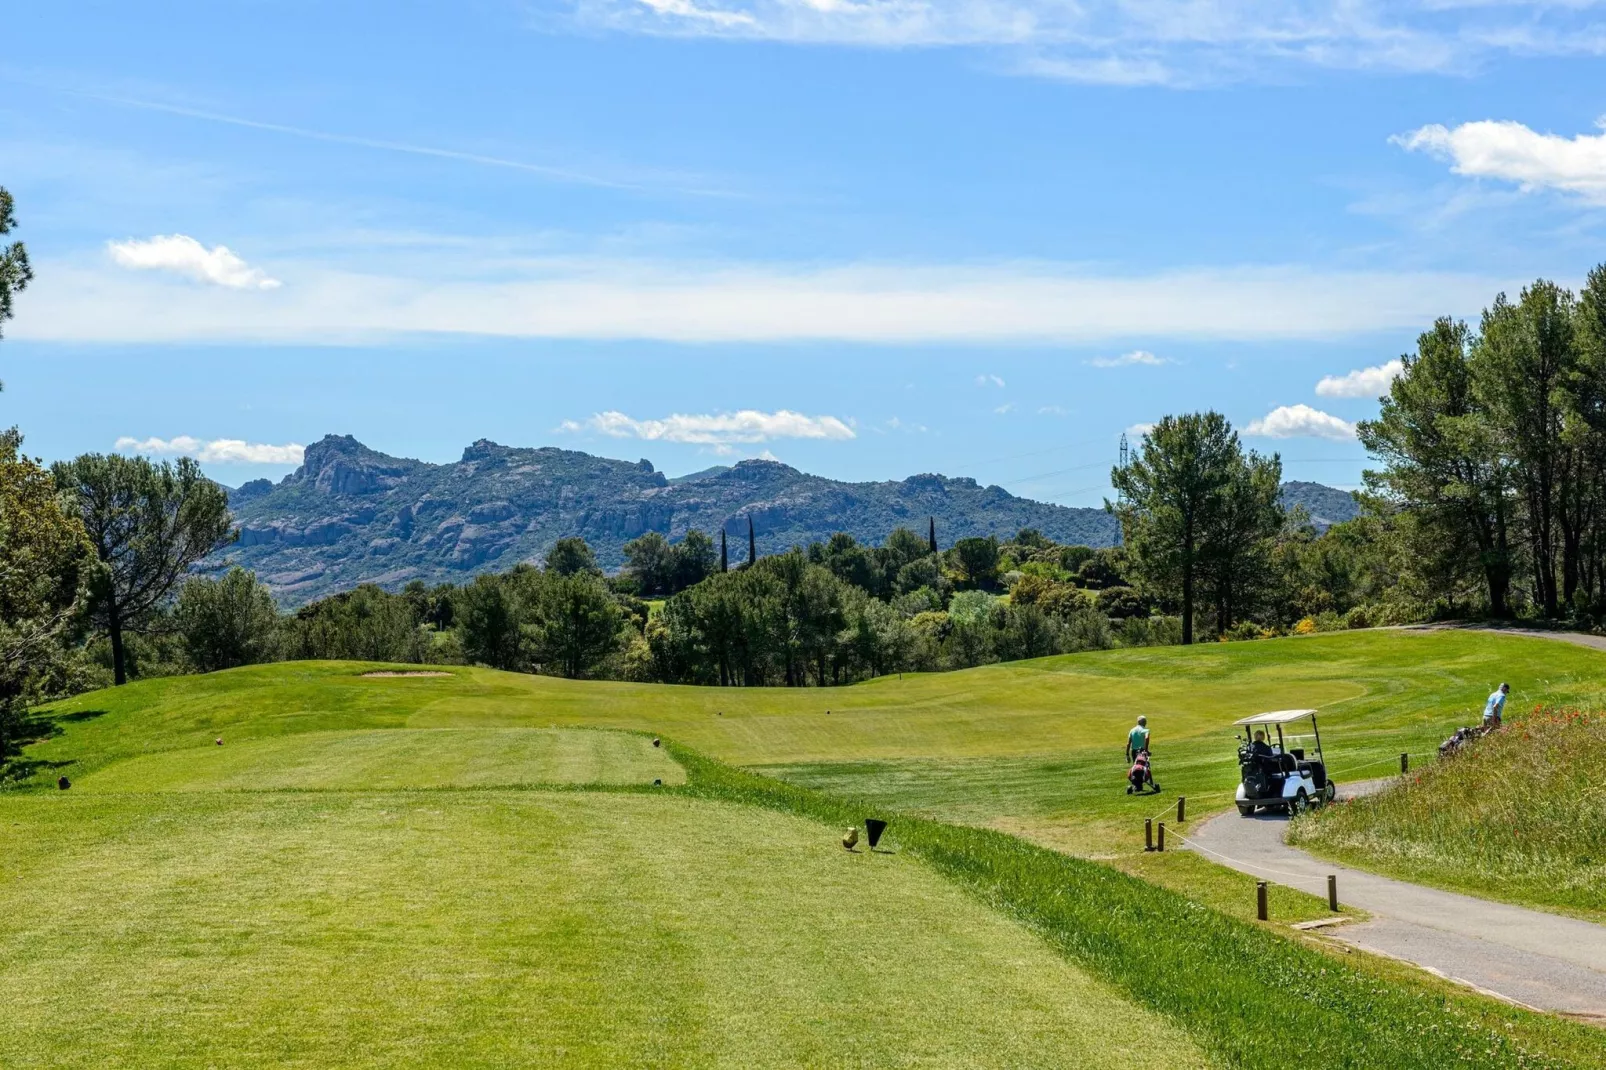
(1182, 808)
(1405, 763)
(1332, 892)
(1160, 843)
(1260, 901)
(1148, 834)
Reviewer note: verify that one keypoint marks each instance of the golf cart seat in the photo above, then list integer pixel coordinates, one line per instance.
(1287, 764)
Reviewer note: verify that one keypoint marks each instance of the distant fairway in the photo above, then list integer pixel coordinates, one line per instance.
(399, 758)
(1030, 746)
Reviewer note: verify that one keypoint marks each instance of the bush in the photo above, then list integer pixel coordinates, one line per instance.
(1306, 626)
(1359, 617)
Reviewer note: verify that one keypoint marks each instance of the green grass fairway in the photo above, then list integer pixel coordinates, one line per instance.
(469, 870)
(1520, 815)
(513, 928)
(1034, 747)
(401, 758)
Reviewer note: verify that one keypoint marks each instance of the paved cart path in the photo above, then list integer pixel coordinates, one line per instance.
(1542, 960)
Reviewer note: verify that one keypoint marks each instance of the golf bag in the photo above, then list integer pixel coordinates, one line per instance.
(1139, 775)
(1458, 739)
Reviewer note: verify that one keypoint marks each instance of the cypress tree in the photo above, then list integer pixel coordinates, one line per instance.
(724, 559)
(752, 543)
(933, 536)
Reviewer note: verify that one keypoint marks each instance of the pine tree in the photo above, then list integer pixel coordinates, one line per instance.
(752, 543)
(932, 537)
(724, 558)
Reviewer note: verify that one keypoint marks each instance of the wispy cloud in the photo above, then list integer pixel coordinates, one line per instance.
(717, 429)
(217, 451)
(1032, 302)
(1139, 430)
(1127, 360)
(1511, 152)
(1051, 410)
(1006, 407)
(989, 380)
(1360, 383)
(183, 255)
(1122, 43)
(1301, 421)
(642, 183)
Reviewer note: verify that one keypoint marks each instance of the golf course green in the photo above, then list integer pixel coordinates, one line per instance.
(478, 869)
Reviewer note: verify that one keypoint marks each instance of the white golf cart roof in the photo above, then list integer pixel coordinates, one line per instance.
(1277, 717)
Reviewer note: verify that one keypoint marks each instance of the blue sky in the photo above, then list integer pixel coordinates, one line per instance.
(980, 237)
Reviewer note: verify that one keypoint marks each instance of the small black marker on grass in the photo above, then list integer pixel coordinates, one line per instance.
(873, 828)
(657, 742)
(63, 783)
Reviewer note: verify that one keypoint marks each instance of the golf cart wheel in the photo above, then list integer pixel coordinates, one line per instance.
(1332, 791)
(1299, 803)
(1245, 809)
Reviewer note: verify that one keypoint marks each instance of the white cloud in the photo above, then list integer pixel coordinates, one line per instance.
(1139, 430)
(1301, 421)
(1126, 360)
(989, 380)
(1511, 152)
(183, 255)
(718, 429)
(1019, 302)
(1143, 43)
(687, 10)
(217, 451)
(1008, 406)
(1051, 410)
(1360, 383)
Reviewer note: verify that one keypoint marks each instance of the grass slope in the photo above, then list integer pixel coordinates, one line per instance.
(1520, 815)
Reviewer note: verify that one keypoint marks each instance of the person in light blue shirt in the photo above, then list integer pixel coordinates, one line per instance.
(1495, 708)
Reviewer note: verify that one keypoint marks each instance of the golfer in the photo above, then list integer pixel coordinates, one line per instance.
(1137, 740)
(1495, 708)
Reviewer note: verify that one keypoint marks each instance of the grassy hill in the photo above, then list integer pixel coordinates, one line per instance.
(1520, 815)
(475, 869)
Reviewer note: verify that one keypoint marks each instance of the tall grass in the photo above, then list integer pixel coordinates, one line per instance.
(1519, 814)
(1256, 999)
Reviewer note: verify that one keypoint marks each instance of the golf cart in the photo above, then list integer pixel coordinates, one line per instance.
(1279, 776)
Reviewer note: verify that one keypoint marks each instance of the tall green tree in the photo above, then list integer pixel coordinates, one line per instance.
(570, 557)
(15, 272)
(148, 525)
(1523, 361)
(650, 560)
(1588, 397)
(227, 622)
(1240, 535)
(1442, 464)
(45, 562)
(575, 624)
(1171, 492)
(978, 561)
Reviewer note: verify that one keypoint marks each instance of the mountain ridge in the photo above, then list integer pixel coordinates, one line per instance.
(351, 514)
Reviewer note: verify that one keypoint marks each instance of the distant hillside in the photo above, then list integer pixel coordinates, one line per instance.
(350, 514)
(1326, 505)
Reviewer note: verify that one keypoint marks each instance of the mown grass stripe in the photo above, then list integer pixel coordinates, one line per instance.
(1256, 999)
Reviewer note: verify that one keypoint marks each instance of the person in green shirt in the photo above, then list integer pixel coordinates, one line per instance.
(1137, 740)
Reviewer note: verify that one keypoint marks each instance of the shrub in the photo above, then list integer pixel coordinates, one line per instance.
(1306, 626)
